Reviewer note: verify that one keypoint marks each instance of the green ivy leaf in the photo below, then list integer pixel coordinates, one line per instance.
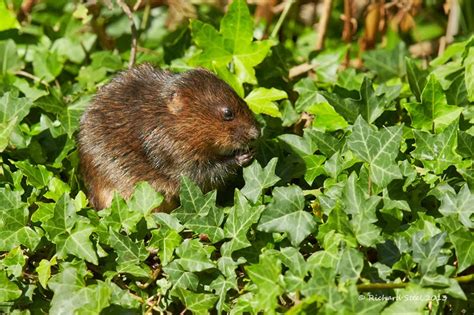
(462, 241)
(465, 144)
(461, 206)
(308, 94)
(44, 270)
(13, 222)
(128, 251)
(9, 58)
(265, 276)
(258, 178)
(221, 286)
(416, 78)
(378, 149)
(241, 217)
(326, 118)
(437, 152)
(144, 199)
(7, 18)
(427, 254)
(193, 201)
(194, 256)
(198, 303)
(285, 214)
(469, 74)
(433, 112)
(37, 175)
(78, 243)
(350, 264)
(416, 305)
(362, 210)
(261, 101)
(13, 262)
(233, 44)
(386, 64)
(180, 277)
(72, 294)
(12, 111)
(165, 240)
(9, 291)
(199, 212)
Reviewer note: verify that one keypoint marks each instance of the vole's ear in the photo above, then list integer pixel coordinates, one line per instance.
(175, 104)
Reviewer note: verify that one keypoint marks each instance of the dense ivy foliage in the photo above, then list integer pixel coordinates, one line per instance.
(360, 199)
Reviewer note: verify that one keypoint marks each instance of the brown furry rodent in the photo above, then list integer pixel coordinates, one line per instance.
(153, 125)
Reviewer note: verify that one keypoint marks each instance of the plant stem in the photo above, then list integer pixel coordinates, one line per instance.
(381, 286)
(133, 49)
(282, 18)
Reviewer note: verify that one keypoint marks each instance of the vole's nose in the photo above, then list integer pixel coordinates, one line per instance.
(254, 133)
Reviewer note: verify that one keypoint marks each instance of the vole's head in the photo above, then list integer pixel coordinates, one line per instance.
(213, 118)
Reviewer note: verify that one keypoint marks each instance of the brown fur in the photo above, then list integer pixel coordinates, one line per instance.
(152, 125)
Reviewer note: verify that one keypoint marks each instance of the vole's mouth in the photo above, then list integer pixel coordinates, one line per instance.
(241, 156)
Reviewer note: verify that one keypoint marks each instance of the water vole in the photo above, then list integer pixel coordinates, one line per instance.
(153, 125)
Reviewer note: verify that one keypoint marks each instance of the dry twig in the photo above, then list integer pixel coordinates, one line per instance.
(323, 24)
(133, 49)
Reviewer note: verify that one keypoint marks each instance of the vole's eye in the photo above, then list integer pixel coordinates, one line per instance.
(228, 114)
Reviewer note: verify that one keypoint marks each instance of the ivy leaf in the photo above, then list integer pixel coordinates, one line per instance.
(241, 217)
(10, 61)
(44, 270)
(165, 240)
(371, 105)
(378, 149)
(469, 74)
(221, 286)
(326, 118)
(465, 144)
(193, 201)
(386, 64)
(9, 291)
(265, 276)
(344, 103)
(194, 256)
(180, 277)
(233, 44)
(261, 101)
(63, 219)
(144, 198)
(237, 25)
(462, 241)
(215, 52)
(118, 216)
(258, 178)
(197, 303)
(77, 243)
(362, 210)
(437, 152)
(427, 254)
(308, 94)
(128, 251)
(12, 111)
(350, 264)
(72, 294)
(285, 214)
(8, 18)
(37, 175)
(414, 307)
(298, 268)
(460, 206)
(416, 78)
(433, 112)
(199, 212)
